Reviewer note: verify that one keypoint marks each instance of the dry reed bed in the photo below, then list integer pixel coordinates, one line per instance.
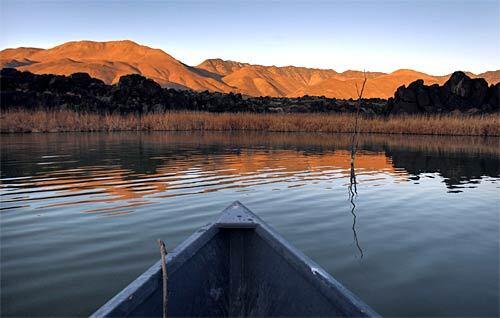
(67, 121)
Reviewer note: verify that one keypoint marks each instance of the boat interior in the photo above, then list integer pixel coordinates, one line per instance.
(237, 267)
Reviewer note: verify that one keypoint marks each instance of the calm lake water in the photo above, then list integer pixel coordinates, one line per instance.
(80, 213)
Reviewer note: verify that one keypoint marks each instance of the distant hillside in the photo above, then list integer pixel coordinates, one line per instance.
(109, 61)
(291, 81)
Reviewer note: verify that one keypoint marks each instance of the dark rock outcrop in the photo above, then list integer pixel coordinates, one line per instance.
(137, 94)
(459, 94)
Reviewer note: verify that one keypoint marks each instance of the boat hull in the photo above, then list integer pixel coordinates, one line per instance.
(237, 266)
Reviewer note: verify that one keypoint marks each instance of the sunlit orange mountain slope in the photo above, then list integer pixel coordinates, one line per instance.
(110, 60)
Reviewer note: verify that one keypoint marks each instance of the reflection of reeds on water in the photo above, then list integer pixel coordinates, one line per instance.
(53, 121)
(253, 139)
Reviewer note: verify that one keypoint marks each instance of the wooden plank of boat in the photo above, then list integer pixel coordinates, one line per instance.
(237, 266)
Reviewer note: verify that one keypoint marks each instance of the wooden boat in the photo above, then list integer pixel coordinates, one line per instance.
(237, 266)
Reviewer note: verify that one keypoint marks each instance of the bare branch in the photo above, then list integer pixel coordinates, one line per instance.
(358, 106)
(360, 94)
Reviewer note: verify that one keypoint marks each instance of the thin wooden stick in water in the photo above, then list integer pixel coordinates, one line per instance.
(163, 252)
(352, 180)
(355, 132)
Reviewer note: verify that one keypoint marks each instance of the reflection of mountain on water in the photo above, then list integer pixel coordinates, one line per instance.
(198, 172)
(85, 158)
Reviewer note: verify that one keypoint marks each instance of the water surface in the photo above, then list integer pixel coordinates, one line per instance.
(80, 213)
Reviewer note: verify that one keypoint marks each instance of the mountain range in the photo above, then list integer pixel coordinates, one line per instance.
(110, 60)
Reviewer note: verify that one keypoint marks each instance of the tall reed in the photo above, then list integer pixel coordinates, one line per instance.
(66, 121)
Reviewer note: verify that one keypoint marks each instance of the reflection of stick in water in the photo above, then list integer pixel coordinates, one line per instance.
(352, 194)
(352, 179)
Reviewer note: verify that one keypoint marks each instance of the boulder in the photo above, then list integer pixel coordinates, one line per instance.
(479, 92)
(459, 94)
(138, 84)
(402, 107)
(434, 96)
(405, 101)
(83, 80)
(458, 84)
(493, 98)
(462, 92)
(406, 94)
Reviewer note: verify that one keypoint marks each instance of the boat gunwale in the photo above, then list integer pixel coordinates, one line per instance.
(144, 285)
(233, 217)
(303, 265)
(314, 273)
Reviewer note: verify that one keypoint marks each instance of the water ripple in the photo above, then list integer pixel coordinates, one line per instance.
(86, 209)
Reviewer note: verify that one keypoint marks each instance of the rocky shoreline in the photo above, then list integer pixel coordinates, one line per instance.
(137, 94)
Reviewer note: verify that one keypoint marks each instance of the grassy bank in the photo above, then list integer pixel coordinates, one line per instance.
(66, 121)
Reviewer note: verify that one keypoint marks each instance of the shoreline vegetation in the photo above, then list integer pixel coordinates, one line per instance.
(26, 121)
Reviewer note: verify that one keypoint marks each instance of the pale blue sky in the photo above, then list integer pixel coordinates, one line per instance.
(436, 37)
